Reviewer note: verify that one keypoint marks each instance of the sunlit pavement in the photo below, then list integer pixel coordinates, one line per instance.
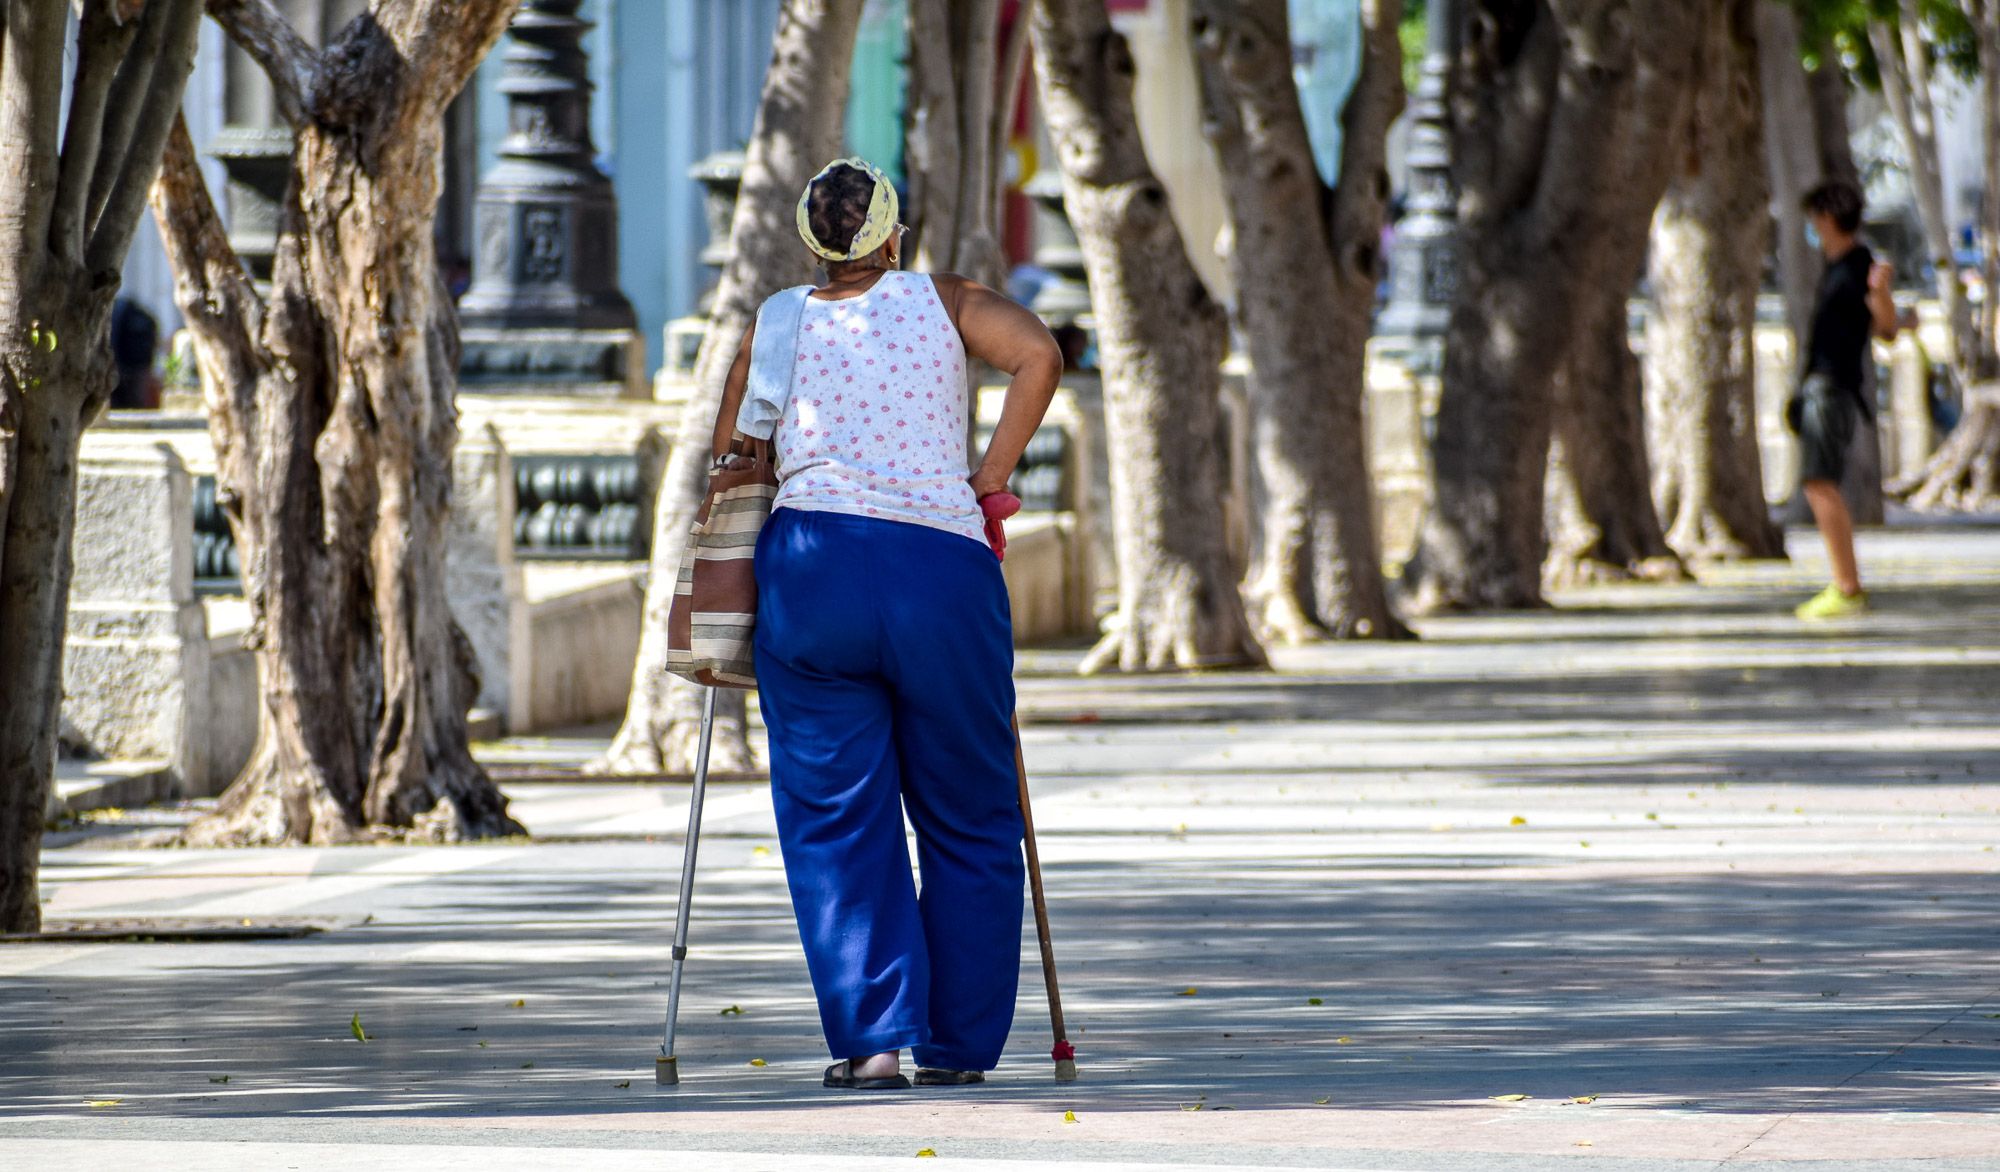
(1707, 886)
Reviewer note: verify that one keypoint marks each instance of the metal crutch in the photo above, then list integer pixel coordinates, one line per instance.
(666, 1072)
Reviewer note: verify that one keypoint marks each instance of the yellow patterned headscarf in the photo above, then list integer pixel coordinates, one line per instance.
(882, 213)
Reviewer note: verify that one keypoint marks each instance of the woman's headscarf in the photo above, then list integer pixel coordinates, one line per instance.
(883, 211)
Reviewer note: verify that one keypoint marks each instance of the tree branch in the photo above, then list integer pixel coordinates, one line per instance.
(103, 39)
(263, 32)
(124, 104)
(30, 120)
(450, 37)
(112, 232)
(211, 288)
(1361, 194)
(1013, 69)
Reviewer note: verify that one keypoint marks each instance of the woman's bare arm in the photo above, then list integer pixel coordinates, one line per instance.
(732, 394)
(1007, 337)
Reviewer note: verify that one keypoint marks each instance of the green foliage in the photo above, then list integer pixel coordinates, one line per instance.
(1415, 27)
(1841, 26)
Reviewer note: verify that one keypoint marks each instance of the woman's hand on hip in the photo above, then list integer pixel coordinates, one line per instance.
(986, 482)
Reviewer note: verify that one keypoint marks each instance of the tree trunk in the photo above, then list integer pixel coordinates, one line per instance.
(1161, 338)
(1964, 473)
(1303, 307)
(72, 184)
(953, 210)
(798, 129)
(1602, 526)
(1792, 157)
(1906, 84)
(1709, 240)
(45, 400)
(1561, 111)
(334, 421)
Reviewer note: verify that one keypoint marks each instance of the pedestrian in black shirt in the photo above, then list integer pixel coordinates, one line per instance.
(1853, 303)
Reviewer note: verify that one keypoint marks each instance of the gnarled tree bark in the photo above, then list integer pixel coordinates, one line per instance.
(1602, 526)
(797, 131)
(1305, 290)
(1709, 240)
(954, 138)
(331, 406)
(1161, 338)
(1964, 473)
(1560, 112)
(72, 186)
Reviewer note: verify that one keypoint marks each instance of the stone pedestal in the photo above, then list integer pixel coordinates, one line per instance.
(135, 667)
(1913, 435)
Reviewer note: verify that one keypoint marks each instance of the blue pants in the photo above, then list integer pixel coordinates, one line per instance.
(885, 667)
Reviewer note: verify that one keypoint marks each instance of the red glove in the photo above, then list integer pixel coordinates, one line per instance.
(998, 506)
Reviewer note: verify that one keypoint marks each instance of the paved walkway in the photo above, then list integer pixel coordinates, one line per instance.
(1710, 888)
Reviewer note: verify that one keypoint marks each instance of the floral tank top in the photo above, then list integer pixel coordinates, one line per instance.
(876, 423)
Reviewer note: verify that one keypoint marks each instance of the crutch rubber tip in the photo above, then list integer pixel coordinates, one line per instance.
(667, 1074)
(1065, 1070)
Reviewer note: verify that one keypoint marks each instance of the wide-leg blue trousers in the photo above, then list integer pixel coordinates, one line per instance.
(885, 671)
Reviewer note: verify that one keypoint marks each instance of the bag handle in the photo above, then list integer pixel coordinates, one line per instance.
(749, 446)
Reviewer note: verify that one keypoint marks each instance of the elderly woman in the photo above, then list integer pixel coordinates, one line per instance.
(884, 647)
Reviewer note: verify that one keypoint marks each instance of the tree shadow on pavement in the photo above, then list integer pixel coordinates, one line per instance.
(1193, 984)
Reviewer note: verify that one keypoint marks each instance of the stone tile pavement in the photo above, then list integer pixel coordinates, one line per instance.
(1711, 889)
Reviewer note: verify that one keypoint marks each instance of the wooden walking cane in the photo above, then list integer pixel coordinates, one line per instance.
(1064, 1053)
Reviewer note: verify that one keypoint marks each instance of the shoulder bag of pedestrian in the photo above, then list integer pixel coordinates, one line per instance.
(714, 613)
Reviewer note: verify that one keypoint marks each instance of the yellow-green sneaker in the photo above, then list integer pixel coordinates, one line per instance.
(1831, 603)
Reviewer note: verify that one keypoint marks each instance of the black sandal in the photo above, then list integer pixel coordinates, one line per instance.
(932, 1076)
(840, 1076)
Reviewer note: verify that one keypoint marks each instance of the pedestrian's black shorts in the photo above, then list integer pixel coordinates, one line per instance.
(1822, 415)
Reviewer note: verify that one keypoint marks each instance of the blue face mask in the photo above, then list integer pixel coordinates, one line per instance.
(1812, 235)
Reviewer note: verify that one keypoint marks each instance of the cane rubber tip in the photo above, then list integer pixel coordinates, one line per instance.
(667, 1073)
(1065, 1070)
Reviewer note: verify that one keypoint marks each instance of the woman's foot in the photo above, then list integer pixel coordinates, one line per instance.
(877, 1072)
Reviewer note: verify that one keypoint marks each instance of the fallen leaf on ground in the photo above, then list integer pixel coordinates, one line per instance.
(926, 1154)
(1342, 1040)
(1069, 1117)
(1585, 1099)
(482, 1045)
(1517, 820)
(619, 1086)
(1315, 1001)
(1188, 992)
(1190, 1106)
(1508, 1098)
(1323, 1100)
(354, 1027)
(103, 1102)
(219, 1078)
(520, 1002)
(527, 1066)
(732, 1011)
(758, 1062)
(1582, 1143)
(760, 852)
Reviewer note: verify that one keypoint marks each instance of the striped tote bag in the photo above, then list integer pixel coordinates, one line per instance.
(715, 597)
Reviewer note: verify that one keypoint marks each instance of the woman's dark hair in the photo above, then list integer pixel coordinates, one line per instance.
(837, 205)
(1839, 199)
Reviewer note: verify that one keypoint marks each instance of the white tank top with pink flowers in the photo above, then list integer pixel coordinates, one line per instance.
(876, 422)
